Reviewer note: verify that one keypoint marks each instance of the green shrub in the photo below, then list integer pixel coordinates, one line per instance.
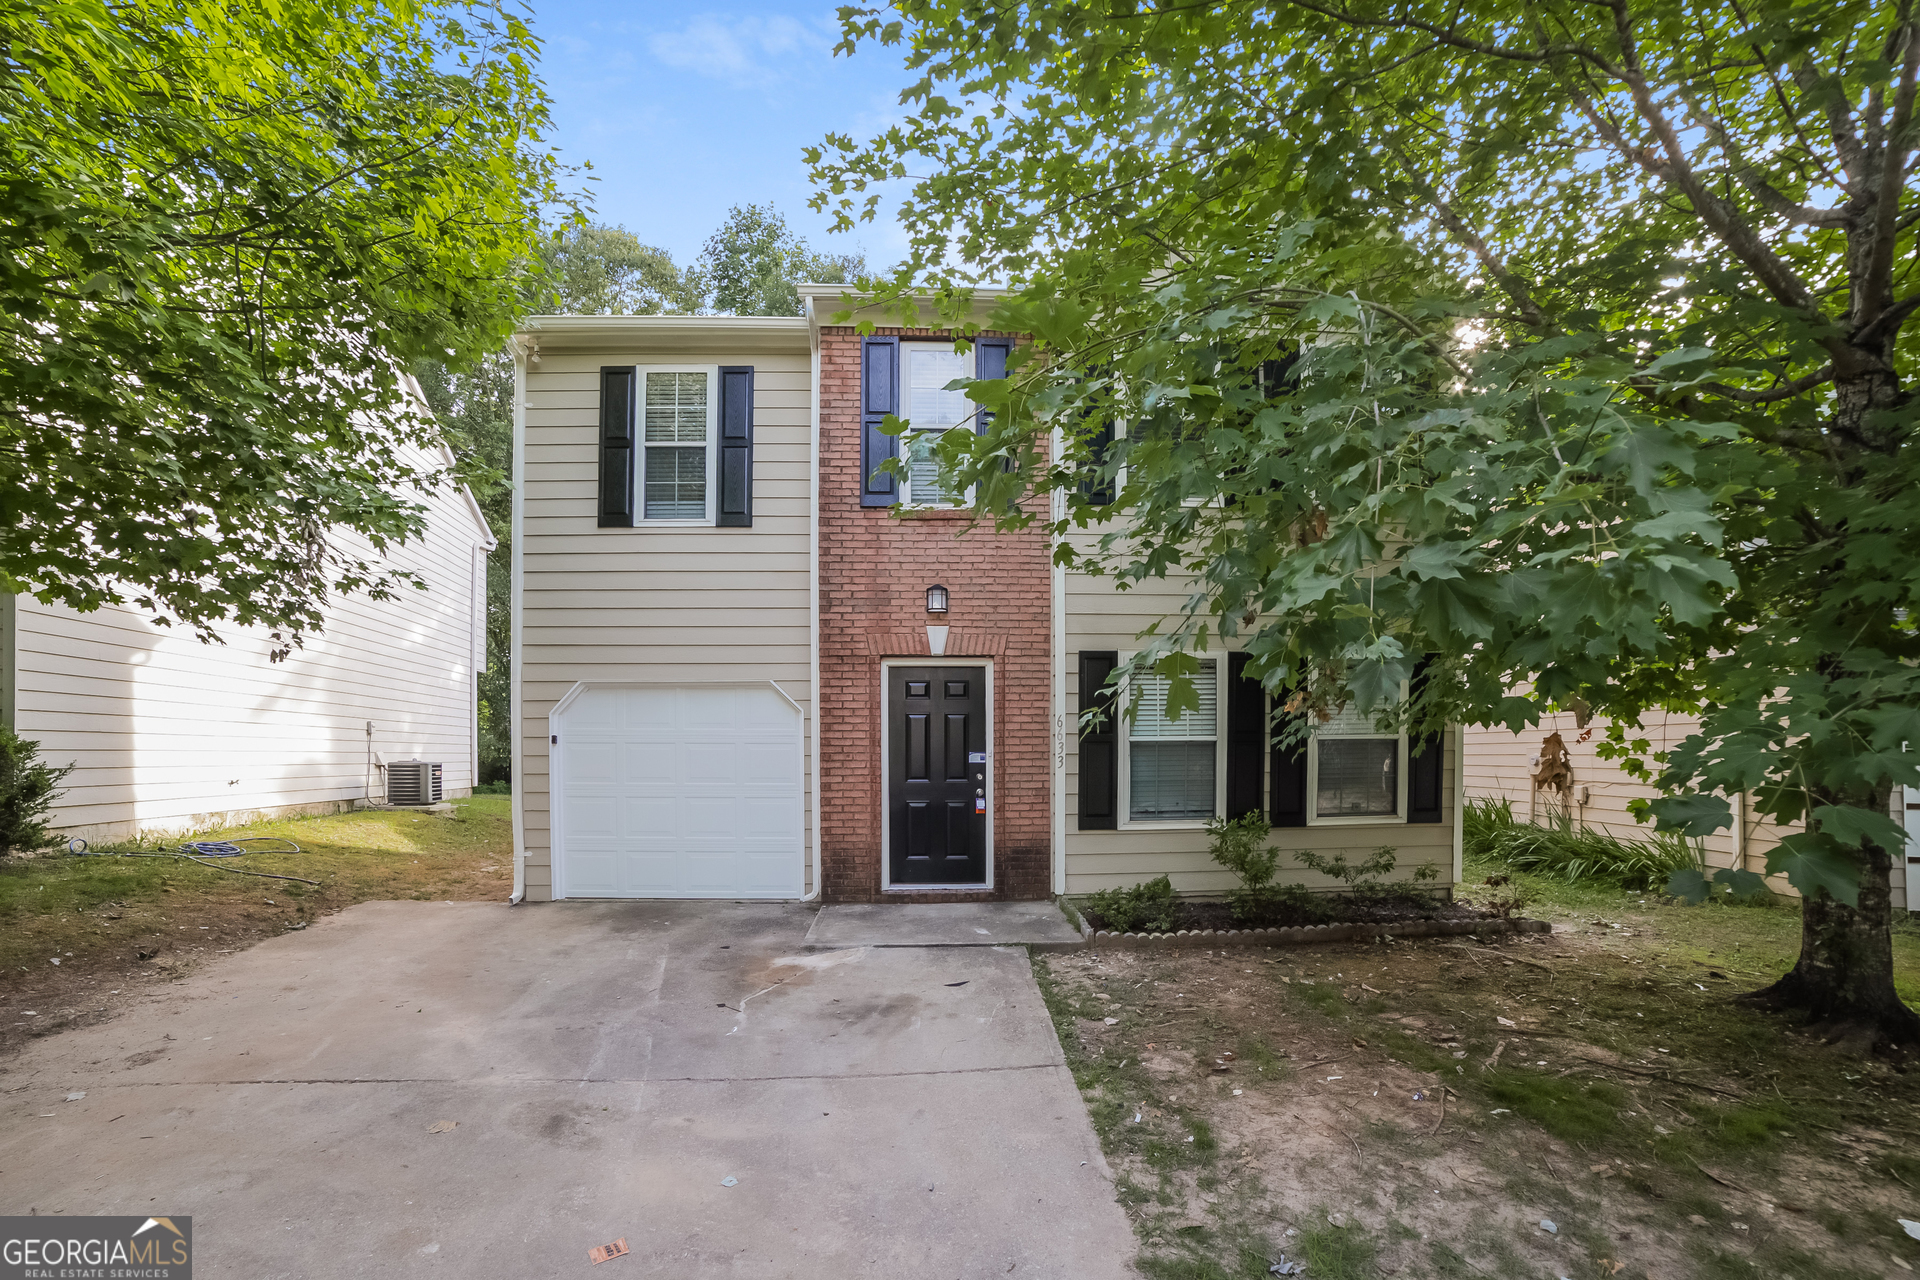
(1481, 823)
(1562, 850)
(1240, 845)
(1145, 908)
(27, 788)
(1363, 878)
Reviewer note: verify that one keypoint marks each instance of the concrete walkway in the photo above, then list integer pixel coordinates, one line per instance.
(944, 924)
(894, 1112)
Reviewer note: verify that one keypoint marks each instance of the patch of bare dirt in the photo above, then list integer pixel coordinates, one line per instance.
(1422, 1109)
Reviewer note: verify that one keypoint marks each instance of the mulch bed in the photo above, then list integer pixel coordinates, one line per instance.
(1195, 917)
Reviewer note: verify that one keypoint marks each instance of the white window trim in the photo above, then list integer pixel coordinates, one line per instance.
(640, 431)
(1121, 476)
(1397, 818)
(906, 415)
(1125, 763)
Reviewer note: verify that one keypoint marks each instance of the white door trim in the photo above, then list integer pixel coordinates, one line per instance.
(886, 777)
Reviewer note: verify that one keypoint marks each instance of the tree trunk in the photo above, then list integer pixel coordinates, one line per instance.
(1844, 977)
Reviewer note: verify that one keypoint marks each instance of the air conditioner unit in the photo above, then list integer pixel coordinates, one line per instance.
(413, 782)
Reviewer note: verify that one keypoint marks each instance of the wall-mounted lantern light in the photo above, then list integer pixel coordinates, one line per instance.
(936, 599)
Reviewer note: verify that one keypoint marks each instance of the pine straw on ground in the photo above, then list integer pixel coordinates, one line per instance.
(1419, 1108)
(118, 925)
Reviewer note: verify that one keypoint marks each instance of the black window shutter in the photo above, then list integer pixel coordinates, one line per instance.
(1426, 758)
(1289, 777)
(1099, 771)
(879, 396)
(617, 396)
(1246, 738)
(990, 361)
(736, 447)
(990, 364)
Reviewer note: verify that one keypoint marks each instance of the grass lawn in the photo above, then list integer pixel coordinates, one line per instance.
(1422, 1108)
(116, 923)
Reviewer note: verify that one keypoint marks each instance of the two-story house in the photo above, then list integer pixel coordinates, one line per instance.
(751, 665)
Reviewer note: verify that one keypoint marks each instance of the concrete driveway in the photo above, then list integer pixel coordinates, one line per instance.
(897, 1112)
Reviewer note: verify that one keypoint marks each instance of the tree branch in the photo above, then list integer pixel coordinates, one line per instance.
(1451, 37)
(1785, 391)
(1509, 280)
(1888, 322)
(1756, 182)
(1877, 283)
(1807, 76)
(1721, 218)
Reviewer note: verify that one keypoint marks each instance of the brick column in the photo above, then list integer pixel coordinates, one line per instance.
(875, 567)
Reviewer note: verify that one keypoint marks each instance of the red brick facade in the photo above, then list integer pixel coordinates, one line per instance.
(875, 567)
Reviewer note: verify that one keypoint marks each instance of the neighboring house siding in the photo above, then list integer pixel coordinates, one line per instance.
(875, 568)
(667, 605)
(170, 735)
(1500, 767)
(1102, 618)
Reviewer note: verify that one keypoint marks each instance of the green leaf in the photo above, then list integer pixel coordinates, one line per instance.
(1741, 884)
(1376, 682)
(1814, 862)
(1691, 816)
(1695, 520)
(1852, 827)
(1688, 883)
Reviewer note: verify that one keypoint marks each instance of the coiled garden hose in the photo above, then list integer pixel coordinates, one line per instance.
(197, 851)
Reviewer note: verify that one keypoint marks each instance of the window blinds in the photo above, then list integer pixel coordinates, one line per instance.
(676, 475)
(1171, 763)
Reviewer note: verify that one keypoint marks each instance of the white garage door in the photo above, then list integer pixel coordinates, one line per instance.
(680, 791)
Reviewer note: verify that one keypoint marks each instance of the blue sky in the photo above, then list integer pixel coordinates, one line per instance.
(685, 110)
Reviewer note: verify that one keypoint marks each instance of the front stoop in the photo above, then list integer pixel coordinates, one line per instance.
(1040, 926)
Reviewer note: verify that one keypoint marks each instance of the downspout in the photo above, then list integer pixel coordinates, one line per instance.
(1459, 804)
(1057, 505)
(1740, 830)
(813, 584)
(9, 658)
(516, 760)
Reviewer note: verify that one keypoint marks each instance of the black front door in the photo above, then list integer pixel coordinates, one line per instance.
(937, 775)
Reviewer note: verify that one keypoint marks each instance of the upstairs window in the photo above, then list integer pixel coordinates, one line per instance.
(677, 439)
(930, 410)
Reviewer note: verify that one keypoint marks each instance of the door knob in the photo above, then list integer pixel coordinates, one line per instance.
(980, 792)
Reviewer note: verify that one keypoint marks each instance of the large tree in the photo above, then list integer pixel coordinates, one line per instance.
(751, 263)
(582, 268)
(227, 228)
(1558, 350)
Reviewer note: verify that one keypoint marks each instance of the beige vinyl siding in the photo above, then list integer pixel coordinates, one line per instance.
(1500, 767)
(1099, 617)
(172, 735)
(680, 604)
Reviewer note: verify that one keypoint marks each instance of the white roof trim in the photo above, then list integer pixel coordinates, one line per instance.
(840, 291)
(695, 326)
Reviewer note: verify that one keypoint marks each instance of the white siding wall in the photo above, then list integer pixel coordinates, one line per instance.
(1099, 617)
(172, 735)
(655, 604)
